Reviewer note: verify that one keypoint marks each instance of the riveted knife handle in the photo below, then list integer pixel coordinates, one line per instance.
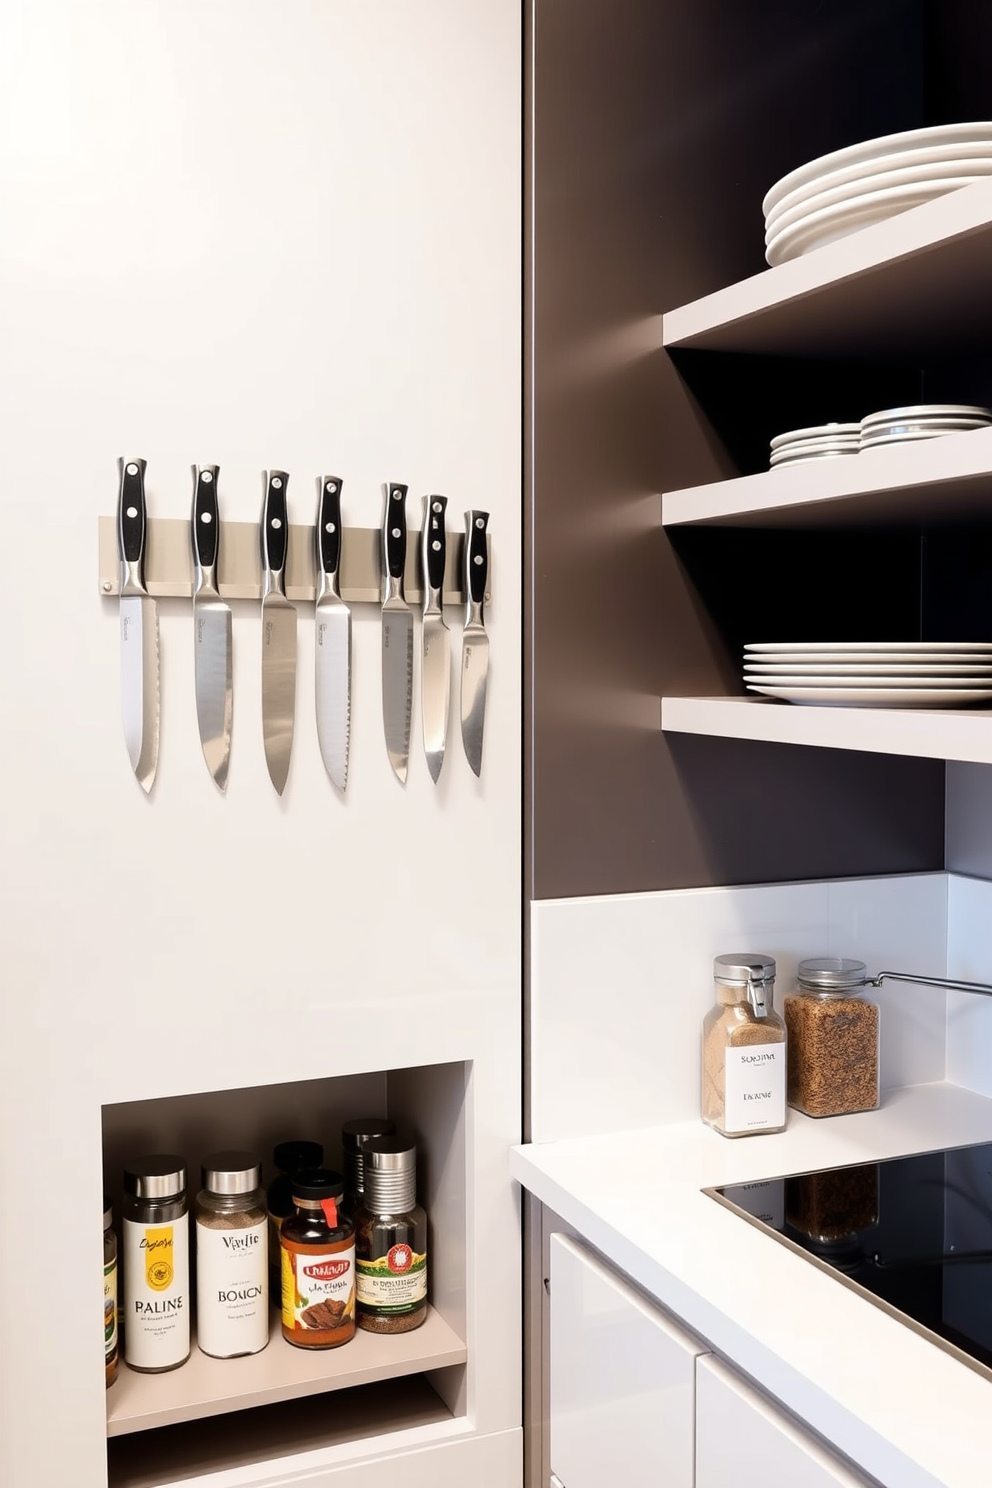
(131, 520)
(329, 523)
(476, 555)
(435, 541)
(394, 530)
(275, 523)
(205, 514)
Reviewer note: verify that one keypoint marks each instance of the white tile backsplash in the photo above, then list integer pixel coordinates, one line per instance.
(969, 958)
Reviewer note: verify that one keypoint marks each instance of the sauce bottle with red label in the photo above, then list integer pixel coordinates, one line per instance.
(317, 1243)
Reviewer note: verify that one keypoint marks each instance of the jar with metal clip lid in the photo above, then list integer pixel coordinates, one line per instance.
(744, 1050)
(833, 1039)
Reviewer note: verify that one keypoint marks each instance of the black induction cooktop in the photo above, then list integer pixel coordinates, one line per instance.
(914, 1234)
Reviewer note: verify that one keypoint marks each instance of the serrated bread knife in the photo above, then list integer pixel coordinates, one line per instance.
(397, 633)
(278, 632)
(211, 629)
(139, 628)
(332, 638)
(435, 647)
(475, 642)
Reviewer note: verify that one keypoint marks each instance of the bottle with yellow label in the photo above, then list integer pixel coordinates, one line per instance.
(156, 1264)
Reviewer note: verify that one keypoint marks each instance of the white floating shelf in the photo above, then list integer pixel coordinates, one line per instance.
(920, 281)
(927, 733)
(209, 1387)
(929, 479)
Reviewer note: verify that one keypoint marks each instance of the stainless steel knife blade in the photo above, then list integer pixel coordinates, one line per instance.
(278, 632)
(397, 633)
(475, 641)
(435, 638)
(139, 628)
(333, 636)
(212, 648)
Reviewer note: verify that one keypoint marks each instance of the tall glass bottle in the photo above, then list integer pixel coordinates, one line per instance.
(390, 1240)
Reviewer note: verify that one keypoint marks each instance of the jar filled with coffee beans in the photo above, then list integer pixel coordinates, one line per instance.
(833, 1039)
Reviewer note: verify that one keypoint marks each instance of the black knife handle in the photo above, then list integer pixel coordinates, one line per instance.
(476, 555)
(329, 523)
(435, 540)
(206, 516)
(275, 522)
(394, 530)
(131, 519)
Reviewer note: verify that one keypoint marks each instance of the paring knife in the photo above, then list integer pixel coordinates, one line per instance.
(278, 632)
(436, 667)
(475, 642)
(333, 636)
(211, 629)
(139, 628)
(397, 633)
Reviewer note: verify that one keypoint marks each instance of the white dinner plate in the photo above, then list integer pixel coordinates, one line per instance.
(921, 426)
(904, 648)
(782, 456)
(934, 136)
(880, 441)
(885, 660)
(816, 431)
(832, 223)
(786, 216)
(927, 410)
(784, 464)
(935, 671)
(887, 697)
(899, 168)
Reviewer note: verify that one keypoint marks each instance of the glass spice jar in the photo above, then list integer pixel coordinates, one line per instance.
(156, 1264)
(354, 1134)
(743, 1050)
(318, 1264)
(833, 1039)
(110, 1351)
(232, 1291)
(288, 1158)
(391, 1240)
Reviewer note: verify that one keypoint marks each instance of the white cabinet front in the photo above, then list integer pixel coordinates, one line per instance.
(744, 1441)
(622, 1381)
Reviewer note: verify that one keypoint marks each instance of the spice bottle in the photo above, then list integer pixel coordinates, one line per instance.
(744, 1050)
(318, 1264)
(288, 1158)
(353, 1136)
(390, 1240)
(833, 1039)
(156, 1264)
(232, 1273)
(110, 1358)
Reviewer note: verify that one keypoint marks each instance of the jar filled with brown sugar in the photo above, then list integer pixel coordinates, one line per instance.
(833, 1039)
(744, 1050)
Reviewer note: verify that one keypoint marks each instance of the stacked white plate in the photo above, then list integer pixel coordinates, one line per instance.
(817, 442)
(848, 189)
(921, 421)
(871, 674)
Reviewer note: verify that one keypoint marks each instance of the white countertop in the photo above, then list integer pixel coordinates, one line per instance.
(900, 1406)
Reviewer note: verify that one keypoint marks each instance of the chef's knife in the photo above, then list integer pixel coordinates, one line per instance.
(139, 628)
(333, 636)
(436, 668)
(397, 633)
(278, 632)
(211, 629)
(475, 642)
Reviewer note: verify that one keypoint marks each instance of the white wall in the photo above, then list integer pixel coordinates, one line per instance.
(259, 234)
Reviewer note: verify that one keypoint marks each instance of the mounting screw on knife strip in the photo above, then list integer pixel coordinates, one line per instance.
(332, 636)
(212, 649)
(475, 641)
(278, 632)
(397, 633)
(139, 628)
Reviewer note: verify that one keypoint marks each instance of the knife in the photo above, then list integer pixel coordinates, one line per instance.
(333, 636)
(436, 663)
(139, 628)
(278, 632)
(475, 642)
(211, 629)
(397, 634)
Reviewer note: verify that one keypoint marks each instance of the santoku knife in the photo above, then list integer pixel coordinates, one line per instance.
(436, 659)
(139, 628)
(475, 642)
(278, 632)
(397, 634)
(333, 636)
(211, 629)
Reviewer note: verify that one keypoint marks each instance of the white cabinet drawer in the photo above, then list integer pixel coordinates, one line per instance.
(622, 1381)
(744, 1441)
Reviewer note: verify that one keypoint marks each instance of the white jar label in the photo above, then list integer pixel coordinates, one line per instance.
(156, 1292)
(232, 1290)
(754, 1088)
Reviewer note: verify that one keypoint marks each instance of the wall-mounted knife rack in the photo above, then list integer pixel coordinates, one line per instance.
(169, 563)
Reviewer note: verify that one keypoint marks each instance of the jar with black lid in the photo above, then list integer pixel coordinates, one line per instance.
(318, 1264)
(156, 1264)
(833, 1039)
(391, 1240)
(354, 1135)
(288, 1158)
